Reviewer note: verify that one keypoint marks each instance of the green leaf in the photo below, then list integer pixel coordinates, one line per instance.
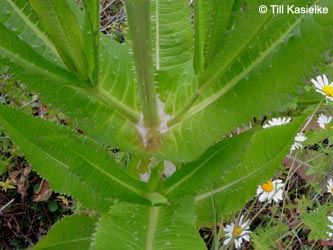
(73, 164)
(111, 106)
(129, 226)
(211, 20)
(256, 73)
(16, 15)
(249, 67)
(25, 48)
(171, 33)
(24, 56)
(172, 40)
(70, 233)
(318, 222)
(52, 205)
(63, 29)
(265, 238)
(5, 185)
(91, 37)
(318, 136)
(231, 171)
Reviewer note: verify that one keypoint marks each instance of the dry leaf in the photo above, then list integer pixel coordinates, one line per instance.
(23, 183)
(44, 192)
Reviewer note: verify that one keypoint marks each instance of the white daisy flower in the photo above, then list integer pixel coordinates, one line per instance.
(277, 122)
(239, 232)
(330, 234)
(323, 86)
(330, 186)
(323, 120)
(270, 190)
(300, 137)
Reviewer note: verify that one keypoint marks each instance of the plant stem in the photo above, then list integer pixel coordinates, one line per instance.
(138, 13)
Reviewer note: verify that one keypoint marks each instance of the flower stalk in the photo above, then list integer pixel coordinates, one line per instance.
(138, 12)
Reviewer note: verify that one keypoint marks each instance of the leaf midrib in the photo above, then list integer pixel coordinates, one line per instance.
(71, 53)
(190, 109)
(152, 227)
(34, 67)
(200, 106)
(40, 149)
(256, 170)
(34, 28)
(214, 26)
(62, 242)
(220, 189)
(103, 97)
(189, 175)
(114, 178)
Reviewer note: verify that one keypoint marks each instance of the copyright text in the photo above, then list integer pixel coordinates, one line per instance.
(278, 9)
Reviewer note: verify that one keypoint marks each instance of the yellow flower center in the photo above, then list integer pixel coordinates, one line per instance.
(332, 189)
(326, 125)
(237, 231)
(328, 90)
(267, 186)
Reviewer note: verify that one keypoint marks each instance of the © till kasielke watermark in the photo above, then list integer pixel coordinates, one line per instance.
(280, 9)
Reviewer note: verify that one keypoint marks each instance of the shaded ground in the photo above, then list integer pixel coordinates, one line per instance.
(23, 222)
(28, 206)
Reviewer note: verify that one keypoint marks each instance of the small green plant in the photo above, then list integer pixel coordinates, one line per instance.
(168, 96)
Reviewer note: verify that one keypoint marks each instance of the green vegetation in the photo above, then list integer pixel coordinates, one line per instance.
(163, 137)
